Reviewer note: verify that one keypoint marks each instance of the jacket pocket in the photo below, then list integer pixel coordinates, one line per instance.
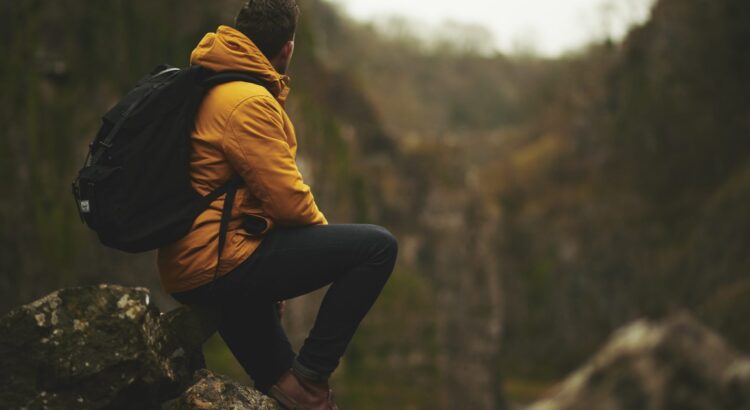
(256, 225)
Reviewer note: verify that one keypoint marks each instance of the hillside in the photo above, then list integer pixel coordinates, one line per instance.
(539, 204)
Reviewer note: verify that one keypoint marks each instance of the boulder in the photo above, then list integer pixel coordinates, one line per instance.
(98, 347)
(214, 392)
(674, 364)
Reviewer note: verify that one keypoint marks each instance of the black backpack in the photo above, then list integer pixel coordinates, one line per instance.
(134, 189)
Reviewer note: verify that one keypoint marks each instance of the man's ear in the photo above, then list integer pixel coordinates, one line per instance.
(283, 57)
(287, 50)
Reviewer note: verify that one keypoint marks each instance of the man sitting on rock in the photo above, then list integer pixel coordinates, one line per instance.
(289, 249)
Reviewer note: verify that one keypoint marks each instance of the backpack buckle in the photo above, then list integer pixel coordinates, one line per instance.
(79, 201)
(85, 206)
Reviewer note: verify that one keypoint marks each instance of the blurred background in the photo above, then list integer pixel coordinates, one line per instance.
(552, 170)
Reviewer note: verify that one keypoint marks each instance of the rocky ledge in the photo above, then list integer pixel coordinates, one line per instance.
(110, 347)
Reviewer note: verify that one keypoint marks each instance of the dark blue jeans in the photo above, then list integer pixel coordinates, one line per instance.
(355, 259)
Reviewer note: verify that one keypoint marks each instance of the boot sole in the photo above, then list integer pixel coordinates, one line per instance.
(283, 399)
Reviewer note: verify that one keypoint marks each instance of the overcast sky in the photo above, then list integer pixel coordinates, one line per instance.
(550, 27)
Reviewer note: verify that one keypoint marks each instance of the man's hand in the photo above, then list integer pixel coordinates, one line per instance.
(280, 307)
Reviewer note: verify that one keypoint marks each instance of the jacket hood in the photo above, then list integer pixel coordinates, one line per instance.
(230, 50)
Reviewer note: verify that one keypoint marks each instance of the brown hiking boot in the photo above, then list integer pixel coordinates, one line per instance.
(294, 392)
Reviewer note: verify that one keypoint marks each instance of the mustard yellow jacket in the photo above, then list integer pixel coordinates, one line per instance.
(240, 128)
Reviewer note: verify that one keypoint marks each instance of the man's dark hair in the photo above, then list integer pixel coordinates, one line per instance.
(268, 23)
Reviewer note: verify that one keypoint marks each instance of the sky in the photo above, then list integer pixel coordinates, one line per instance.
(545, 27)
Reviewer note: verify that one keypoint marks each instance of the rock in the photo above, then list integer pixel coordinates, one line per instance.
(214, 392)
(97, 347)
(674, 364)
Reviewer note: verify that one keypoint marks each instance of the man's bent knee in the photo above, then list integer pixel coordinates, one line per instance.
(385, 243)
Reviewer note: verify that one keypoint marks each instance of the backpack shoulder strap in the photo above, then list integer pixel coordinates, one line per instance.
(232, 185)
(230, 188)
(229, 76)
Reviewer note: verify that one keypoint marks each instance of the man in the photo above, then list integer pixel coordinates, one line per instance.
(242, 128)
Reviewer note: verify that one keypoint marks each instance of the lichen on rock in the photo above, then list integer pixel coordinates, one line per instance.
(92, 347)
(214, 392)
